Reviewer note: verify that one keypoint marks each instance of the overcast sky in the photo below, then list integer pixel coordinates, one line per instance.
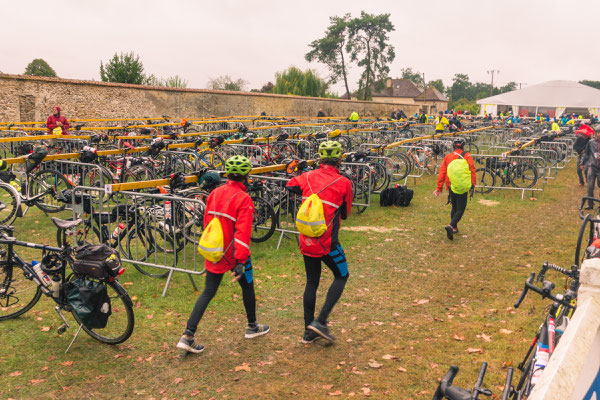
(529, 41)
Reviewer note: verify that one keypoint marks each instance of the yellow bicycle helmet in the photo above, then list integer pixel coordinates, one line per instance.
(330, 149)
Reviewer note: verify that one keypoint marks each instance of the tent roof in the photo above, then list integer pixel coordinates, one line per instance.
(549, 94)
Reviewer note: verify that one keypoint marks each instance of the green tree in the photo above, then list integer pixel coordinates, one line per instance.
(39, 67)
(123, 68)
(594, 84)
(438, 84)
(415, 76)
(368, 46)
(225, 82)
(299, 83)
(176, 81)
(461, 88)
(509, 87)
(330, 50)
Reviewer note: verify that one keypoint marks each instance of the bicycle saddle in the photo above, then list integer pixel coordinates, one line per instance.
(64, 224)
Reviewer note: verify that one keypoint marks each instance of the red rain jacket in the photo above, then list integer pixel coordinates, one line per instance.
(585, 130)
(234, 208)
(337, 202)
(443, 176)
(51, 124)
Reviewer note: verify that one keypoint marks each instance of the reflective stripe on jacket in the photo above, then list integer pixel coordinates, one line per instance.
(337, 202)
(234, 208)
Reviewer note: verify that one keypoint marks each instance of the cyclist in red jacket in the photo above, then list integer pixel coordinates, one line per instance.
(335, 192)
(458, 201)
(234, 208)
(56, 120)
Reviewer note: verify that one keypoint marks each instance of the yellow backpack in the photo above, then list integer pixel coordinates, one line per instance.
(210, 245)
(310, 219)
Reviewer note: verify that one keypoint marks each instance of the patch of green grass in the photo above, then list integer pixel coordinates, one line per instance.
(412, 295)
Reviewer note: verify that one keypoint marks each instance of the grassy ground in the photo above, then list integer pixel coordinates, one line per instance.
(414, 304)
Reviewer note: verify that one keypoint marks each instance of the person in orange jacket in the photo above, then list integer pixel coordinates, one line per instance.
(234, 208)
(335, 192)
(458, 201)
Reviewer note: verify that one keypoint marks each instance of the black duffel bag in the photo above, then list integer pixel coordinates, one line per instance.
(90, 301)
(97, 261)
(396, 196)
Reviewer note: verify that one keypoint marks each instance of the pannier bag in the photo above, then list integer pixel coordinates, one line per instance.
(397, 196)
(97, 261)
(36, 158)
(89, 300)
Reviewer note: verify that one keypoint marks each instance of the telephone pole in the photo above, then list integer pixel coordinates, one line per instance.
(492, 72)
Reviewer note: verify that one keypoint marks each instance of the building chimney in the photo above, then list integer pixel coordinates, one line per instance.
(388, 83)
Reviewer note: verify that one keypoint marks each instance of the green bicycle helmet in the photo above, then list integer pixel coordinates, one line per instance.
(238, 165)
(330, 149)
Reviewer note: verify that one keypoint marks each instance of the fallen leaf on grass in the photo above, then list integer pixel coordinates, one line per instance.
(336, 393)
(433, 365)
(51, 358)
(16, 373)
(421, 302)
(195, 393)
(366, 391)
(505, 331)
(243, 367)
(401, 369)
(67, 363)
(485, 337)
(459, 338)
(118, 356)
(150, 316)
(389, 357)
(375, 364)
(45, 328)
(471, 350)
(134, 298)
(177, 380)
(327, 387)
(220, 390)
(127, 283)
(36, 381)
(44, 368)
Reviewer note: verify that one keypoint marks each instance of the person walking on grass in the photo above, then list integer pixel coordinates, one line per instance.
(335, 192)
(234, 208)
(590, 162)
(458, 173)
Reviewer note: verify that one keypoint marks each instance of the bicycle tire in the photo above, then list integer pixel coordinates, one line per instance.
(106, 335)
(13, 282)
(9, 197)
(579, 257)
(380, 176)
(401, 166)
(148, 248)
(486, 179)
(523, 176)
(263, 215)
(210, 159)
(41, 181)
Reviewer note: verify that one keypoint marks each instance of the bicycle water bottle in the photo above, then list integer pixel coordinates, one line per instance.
(90, 148)
(56, 286)
(167, 210)
(118, 230)
(45, 279)
(542, 355)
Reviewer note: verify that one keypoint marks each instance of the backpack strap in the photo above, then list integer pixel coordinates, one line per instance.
(326, 186)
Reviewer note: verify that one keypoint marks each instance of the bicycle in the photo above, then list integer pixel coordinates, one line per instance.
(551, 329)
(514, 173)
(21, 287)
(446, 390)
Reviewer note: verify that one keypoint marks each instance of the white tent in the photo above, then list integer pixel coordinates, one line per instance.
(552, 97)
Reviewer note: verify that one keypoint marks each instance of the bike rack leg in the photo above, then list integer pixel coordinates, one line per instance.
(75, 337)
(280, 239)
(164, 293)
(193, 282)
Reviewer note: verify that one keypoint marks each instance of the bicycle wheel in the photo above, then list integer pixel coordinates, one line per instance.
(264, 221)
(121, 321)
(486, 180)
(50, 182)
(523, 176)
(140, 246)
(472, 148)
(379, 176)
(194, 216)
(210, 159)
(580, 253)
(401, 166)
(9, 203)
(17, 293)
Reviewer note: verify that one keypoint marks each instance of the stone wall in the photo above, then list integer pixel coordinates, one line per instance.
(28, 98)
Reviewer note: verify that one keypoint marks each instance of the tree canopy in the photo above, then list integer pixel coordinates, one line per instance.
(414, 76)
(225, 82)
(330, 50)
(369, 48)
(123, 68)
(39, 67)
(300, 83)
(594, 84)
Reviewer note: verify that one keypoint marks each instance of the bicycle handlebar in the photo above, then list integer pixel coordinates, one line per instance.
(545, 291)
(446, 389)
(585, 199)
(573, 273)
